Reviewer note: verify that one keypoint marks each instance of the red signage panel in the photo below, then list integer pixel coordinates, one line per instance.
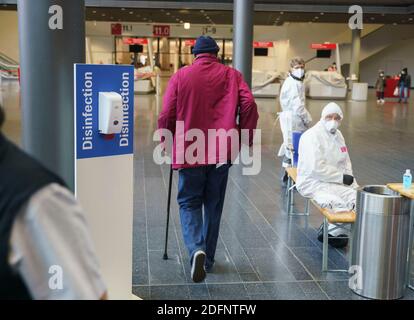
(323, 46)
(263, 44)
(189, 43)
(140, 41)
(161, 31)
(116, 29)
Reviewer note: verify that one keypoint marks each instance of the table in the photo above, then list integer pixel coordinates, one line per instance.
(409, 193)
(390, 85)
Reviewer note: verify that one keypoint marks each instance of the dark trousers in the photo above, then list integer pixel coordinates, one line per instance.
(380, 95)
(197, 188)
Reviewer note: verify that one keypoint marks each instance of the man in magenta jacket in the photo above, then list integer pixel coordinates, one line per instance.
(204, 96)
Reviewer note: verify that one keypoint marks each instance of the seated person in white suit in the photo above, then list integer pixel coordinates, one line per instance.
(325, 170)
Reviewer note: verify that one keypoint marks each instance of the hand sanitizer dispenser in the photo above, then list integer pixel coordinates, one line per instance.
(110, 113)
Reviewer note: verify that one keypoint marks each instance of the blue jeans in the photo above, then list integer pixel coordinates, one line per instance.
(403, 92)
(198, 187)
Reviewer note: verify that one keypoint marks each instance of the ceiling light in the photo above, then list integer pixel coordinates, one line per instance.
(167, 13)
(316, 18)
(187, 25)
(281, 12)
(123, 9)
(394, 24)
(322, 13)
(372, 18)
(103, 14)
(181, 21)
(94, 11)
(410, 19)
(201, 11)
(131, 12)
(177, 19)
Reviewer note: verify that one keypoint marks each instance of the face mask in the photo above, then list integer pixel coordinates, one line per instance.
(381, 74)
(331, 126)
(298, 73)
(402, 72)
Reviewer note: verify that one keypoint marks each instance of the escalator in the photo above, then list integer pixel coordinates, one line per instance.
(9, 68)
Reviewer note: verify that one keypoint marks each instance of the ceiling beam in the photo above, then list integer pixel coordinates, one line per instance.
(226, 6)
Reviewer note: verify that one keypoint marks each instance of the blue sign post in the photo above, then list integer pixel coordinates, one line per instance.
(104, 166)
(90, 79)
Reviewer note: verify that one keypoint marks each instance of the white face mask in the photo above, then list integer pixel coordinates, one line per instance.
(331, 125)
(298, 73)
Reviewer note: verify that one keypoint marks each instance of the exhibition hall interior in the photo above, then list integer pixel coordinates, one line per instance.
(319, 207)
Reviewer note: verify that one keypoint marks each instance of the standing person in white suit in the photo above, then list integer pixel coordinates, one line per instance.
(294, 115)
(325, 170)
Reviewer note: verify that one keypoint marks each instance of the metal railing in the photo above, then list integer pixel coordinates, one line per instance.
(9, 68)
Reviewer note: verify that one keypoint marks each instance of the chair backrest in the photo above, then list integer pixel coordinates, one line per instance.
(295, 142)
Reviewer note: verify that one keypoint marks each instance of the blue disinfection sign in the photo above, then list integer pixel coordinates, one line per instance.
(90, 80)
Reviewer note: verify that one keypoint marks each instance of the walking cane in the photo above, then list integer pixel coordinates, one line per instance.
(165, 257)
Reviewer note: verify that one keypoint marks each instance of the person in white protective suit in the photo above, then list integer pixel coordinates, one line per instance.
(325, 170)
(294, 115)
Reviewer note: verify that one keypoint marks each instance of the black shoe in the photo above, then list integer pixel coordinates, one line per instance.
(285, 179)
(340, 241)
(198, 273)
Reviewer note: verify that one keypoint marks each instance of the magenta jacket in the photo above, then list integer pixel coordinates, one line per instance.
(206, 95)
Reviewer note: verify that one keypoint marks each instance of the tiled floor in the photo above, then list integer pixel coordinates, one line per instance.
(262, 253)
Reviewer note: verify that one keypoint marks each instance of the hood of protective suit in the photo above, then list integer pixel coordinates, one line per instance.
(331, 108)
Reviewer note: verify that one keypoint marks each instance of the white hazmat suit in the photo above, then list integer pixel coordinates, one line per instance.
(323, 162)
(294, 115)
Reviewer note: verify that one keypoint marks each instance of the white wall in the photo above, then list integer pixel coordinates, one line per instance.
(391, 60)
(9, 35)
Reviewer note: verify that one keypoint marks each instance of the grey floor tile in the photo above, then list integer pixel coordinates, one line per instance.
(140, 274)
(142, 292)
(170, 292)
(312, 259)
(339, 290)
(166, 271)
(285, 291)
(199, 292)
(268, 266)
(261, 296)
(227, 292)
(255, 288)
(224, 269)
(249, 277)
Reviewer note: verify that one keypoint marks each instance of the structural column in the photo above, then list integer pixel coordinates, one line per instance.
(355, 53)
(243, 37)
(52, 39)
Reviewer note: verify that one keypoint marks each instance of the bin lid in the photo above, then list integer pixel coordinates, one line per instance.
(380, 190)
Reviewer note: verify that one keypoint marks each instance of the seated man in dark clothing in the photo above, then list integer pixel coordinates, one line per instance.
(46, 251)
